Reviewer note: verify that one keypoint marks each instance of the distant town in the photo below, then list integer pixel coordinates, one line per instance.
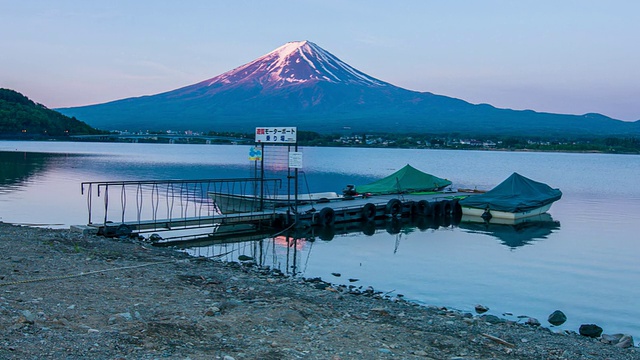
(406, 141)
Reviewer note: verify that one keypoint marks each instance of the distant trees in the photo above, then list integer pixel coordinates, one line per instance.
(21, 116)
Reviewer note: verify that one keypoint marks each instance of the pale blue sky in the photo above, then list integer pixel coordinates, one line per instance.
(564, 56)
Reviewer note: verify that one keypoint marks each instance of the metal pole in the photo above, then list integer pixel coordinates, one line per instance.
(262, 177)
(106, 203)
(295, 253)
(296, 189)
(288, 180)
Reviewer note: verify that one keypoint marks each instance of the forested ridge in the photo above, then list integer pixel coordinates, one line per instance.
(20, 116)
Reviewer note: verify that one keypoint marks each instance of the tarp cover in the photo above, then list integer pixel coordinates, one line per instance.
(406, 180)
(516, 194)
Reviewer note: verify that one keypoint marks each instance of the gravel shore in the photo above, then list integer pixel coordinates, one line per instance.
(68, 296)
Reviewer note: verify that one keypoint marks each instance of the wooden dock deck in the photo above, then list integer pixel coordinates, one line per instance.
(323, 214)
(125, 228)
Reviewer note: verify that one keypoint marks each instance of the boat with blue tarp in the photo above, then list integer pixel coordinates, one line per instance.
(514, 198)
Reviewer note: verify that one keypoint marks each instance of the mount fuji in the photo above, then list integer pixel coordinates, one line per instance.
(300, 84)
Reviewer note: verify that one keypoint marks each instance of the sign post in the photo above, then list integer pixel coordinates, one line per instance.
(255, 155)
(277, 135)
(295, 159)
(280, 135)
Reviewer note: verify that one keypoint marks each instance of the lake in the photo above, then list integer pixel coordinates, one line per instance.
(583, 260)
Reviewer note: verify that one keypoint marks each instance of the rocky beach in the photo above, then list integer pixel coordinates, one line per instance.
(65, 295)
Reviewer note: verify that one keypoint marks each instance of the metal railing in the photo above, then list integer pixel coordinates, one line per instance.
(164, 201)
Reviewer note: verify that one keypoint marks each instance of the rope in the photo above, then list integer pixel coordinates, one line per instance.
(283, 231)
(82, 274)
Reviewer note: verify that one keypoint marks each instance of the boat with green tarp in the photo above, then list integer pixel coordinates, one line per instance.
(406, 180)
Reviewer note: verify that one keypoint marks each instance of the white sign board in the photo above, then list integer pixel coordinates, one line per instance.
(295, 159)
(276, 135)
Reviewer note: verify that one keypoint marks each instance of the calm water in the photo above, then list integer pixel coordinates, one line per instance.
(583, 261)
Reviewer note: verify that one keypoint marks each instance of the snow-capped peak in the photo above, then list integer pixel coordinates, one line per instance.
(296, 62)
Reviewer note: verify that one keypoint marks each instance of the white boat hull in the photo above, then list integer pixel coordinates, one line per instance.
(230, 203)
(544, 217)
(506, 215)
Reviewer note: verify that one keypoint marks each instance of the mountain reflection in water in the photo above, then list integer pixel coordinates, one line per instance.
(18, 167)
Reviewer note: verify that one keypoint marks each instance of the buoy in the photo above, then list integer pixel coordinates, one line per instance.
(437, 210)
(486, 215)
(326, 217)
(369, 228)
(368, 212)
(423, 208)
(446, 208)
(394, 207)
(393, 226)
(123, 231)
(455, 207)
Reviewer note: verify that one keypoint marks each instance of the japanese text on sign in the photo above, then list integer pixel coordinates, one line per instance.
(276, 135)
(295, 160)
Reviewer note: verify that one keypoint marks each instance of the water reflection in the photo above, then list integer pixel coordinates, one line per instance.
(392, 226)
(512, 233)
(18, 167)
(238, 233)
(290, 251)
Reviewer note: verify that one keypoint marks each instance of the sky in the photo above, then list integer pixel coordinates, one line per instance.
(560, 56)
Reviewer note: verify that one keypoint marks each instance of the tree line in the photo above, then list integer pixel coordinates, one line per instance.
(22, 118)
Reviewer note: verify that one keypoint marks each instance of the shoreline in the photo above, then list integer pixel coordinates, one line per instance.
(67, 296)
(249, 143)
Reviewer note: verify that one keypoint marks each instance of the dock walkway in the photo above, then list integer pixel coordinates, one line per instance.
(328, 213)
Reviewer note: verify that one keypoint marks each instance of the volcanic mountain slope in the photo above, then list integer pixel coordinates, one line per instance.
(301, 84)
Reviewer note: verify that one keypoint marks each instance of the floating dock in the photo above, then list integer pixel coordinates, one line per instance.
(181, 205)
(375, 207)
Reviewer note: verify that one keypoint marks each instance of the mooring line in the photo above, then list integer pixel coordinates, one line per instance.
(83, 273)
(283, 231)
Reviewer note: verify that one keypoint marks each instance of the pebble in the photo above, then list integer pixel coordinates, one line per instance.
(590, 330)
(125, 316)
(293, 317)
(532, 322)
(625, 342)
(557, 318)
(212, 311)
(491, 319)
(28, 316)
(611, 339)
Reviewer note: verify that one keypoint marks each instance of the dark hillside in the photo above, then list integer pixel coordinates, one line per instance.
(19, 116)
